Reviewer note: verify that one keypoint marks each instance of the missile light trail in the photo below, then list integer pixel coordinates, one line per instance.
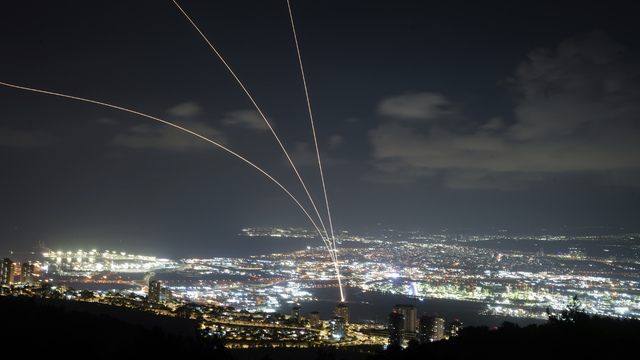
(259, 111)
(510, 129)
(315, 141)
(328, 237)
(179, 128)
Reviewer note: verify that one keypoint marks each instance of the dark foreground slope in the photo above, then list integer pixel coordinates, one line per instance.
(36, 327)
(587, 337)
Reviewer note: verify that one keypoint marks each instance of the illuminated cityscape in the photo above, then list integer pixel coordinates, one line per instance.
(173, 165)
(272, 297)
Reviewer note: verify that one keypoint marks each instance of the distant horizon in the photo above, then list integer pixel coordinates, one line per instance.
(315, 241)
(493, 275)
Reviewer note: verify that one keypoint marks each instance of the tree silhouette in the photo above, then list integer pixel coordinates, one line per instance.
(572, 313)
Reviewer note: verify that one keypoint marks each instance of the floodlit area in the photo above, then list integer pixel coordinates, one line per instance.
(260, 291)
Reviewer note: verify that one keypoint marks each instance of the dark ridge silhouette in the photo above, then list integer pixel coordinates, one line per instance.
(39, 328)
(588, 337)
(310, 353)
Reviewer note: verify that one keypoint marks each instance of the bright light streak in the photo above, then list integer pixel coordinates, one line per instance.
(261, 114)
(177, 127)
(330, 244)
(315, 140)
(328, 238)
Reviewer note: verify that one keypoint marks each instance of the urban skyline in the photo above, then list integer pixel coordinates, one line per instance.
(506, 276)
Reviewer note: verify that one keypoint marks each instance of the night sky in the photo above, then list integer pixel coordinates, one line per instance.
(461, 115)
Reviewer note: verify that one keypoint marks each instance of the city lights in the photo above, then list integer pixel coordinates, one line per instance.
(258, 290)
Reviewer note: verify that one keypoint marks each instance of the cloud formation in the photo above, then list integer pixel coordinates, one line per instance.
(303, 154)
(336, 141)
(186, 109)
(13, 138)
(162, 137)
(576, 109)
(248, 119)
(417, 106)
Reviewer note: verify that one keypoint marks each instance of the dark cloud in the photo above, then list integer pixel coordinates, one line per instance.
(336, 141)
(14, 138)
(587, 86)
(164, 137)
(576, 109)
(416, 106)
(248, 119)
(303, 154)
(187, 109)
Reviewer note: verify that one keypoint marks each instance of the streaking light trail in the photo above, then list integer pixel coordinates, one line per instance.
(315, 140)
(257, 108)
(328, 237)
(180, 128)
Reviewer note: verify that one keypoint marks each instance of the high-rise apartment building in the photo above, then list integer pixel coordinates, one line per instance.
(410, 319)
(431, 329)
(7, 269)
(341, 310)
(154, 291)
(314, 319)
(26, 274)
(159, 293)
(295, 313)
(338, 327)
(454, 328)
(396, 329)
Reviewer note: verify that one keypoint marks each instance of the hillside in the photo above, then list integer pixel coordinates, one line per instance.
(37, 328)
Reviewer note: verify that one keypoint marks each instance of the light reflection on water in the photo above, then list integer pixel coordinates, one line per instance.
(371, 305)
(363, 306)
(368, 306)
